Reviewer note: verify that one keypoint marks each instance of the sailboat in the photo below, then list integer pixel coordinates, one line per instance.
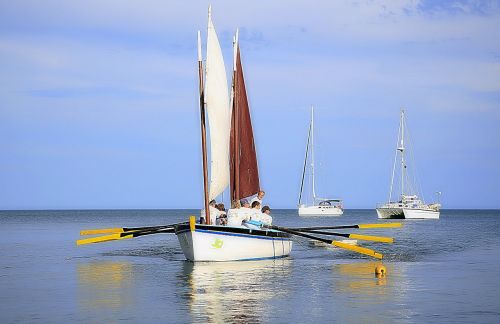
(319, 206)
(409, 205)
(233, 162)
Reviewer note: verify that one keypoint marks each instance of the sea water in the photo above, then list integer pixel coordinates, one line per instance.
(445, 270)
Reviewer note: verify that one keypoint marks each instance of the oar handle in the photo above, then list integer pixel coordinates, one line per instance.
(127, 229)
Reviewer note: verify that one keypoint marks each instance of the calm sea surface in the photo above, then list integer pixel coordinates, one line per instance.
(440, 271)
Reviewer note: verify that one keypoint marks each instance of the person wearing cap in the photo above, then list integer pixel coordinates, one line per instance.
(244, 203)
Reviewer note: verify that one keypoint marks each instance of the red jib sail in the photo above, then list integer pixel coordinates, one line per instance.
(243, 159)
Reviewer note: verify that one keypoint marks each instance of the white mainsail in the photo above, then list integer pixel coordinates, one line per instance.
(219, 114)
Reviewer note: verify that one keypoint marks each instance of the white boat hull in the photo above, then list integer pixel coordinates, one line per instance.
(216, 243)
(411, 213)
(407, 213)
(320, 211)
(387, 213)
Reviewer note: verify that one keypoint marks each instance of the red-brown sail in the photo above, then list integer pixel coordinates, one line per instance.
(243, 159)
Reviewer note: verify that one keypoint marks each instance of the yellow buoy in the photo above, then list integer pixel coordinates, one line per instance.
(380, 271)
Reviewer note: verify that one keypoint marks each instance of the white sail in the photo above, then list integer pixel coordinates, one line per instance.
(219, 114)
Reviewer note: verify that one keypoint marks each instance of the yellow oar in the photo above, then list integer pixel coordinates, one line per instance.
(104, 238)
(379, 225)
(124, 229)
(382, 239)
(358, 249)
(101, 231)
(124, 235)
(349, 247)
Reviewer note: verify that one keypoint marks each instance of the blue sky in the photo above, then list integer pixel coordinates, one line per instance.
(98, 99)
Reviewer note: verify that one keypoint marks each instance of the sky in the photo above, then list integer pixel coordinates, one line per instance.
(99, 106)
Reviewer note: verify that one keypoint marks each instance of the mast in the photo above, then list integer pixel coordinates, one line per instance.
(394, 167)
(312, 155)
(402, 150)
(236, 127)
(244, 169)
(305, 163)
(203, 131)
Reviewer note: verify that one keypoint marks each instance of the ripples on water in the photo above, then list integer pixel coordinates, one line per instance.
(444, 271)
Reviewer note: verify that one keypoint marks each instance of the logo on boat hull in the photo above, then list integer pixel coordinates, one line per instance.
(217, 244)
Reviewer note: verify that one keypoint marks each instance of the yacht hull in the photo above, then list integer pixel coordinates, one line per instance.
(390, 213)
(407, 213)
(411, 213)
(224, 243)
(320, 211)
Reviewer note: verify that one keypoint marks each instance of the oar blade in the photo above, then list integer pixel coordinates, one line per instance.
(380, 225)
(104, 238)
(357, 249)
(101, 231)
(382, 239)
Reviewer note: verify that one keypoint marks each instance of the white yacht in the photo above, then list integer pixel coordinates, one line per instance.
(319, 206)
(409, 205)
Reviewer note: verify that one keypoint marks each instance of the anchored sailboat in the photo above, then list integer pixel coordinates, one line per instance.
(319, 206)
(409, 205)
(233, 161)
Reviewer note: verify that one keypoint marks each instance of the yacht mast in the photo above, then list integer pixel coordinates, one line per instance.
(312, 155)
(401, 148)
(305, 164)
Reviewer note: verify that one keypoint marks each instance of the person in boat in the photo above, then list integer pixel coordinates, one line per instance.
(244, 204)
(258, 218)
(236, 216)
(259, 197)
(265, 216)
(254, 220)
(222, 218)
(214, 213)
(256, 207)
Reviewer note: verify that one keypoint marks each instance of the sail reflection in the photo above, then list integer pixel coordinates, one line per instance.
(105, 285)
(233, 291)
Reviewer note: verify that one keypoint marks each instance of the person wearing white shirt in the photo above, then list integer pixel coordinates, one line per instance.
(214, 213)
(266, 215)
(259, 197)
(258, 216)
(236, 216)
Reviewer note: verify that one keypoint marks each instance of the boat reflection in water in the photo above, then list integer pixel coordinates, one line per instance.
(234, 291)
(105, 285)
